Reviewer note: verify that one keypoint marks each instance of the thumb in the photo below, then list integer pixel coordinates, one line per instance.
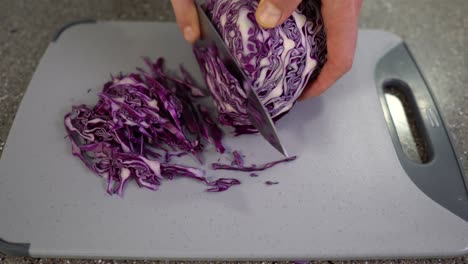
(272, 13)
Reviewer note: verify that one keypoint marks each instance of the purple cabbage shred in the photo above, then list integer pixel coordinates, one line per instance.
(216, 134)
(222, 184)
(238, 160)
(137, 115)
(251, 168)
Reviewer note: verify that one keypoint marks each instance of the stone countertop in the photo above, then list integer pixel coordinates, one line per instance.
(433, 30)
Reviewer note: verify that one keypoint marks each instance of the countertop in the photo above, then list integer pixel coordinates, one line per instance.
(434, 31)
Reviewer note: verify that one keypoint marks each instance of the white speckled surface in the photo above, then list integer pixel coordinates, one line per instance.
(433, 29)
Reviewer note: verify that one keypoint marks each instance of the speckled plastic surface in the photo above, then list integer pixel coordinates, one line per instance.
(62, 210)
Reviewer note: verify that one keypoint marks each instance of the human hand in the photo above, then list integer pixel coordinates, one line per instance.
(187, 19)
(340, 17)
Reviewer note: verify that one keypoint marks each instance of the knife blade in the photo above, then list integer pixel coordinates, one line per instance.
(258, 114)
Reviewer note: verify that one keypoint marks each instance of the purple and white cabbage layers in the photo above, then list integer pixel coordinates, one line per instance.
(280, 61)
(142, 121)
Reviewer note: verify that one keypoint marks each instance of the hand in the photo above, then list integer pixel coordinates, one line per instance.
(187, 19)
(341, 19)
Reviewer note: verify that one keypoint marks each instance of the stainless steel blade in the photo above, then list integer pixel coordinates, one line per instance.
(258, 115)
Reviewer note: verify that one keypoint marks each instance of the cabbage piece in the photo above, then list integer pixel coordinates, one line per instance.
(169, 155)
(137, 116)
(254, 167)
(190, 83)
(225, 90)
(238, 160)
(280, 61)
(222, 184)
(215, 132)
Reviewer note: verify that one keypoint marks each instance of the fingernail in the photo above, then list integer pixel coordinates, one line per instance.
(189, 34)
(268, 14)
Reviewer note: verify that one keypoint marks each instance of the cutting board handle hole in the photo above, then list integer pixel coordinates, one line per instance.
(407, 121)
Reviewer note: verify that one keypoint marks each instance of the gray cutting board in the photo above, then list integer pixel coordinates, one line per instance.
(351, 193)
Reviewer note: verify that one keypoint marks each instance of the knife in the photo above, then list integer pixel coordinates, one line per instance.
(258, 115)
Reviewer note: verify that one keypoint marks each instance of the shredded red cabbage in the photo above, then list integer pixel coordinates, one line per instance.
(222, 184)
(140, 124)
(238, 160)
(137, 115)
(215, 132)
(169, 155)
(218, 166)
(271, 182)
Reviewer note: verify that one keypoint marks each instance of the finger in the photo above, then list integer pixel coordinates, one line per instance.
(272, 13)
(187, 18)
(341, 19)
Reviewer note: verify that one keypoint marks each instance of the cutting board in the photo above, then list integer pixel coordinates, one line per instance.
(352, 193)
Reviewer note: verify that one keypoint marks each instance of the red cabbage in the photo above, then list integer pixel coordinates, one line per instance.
(254, 167)
(215, 132)
(138, 115)
(279, 61)
(169, 155)
(190, 83)
(141, 122)
(222, 184)
(238, 160)
(271, 182)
